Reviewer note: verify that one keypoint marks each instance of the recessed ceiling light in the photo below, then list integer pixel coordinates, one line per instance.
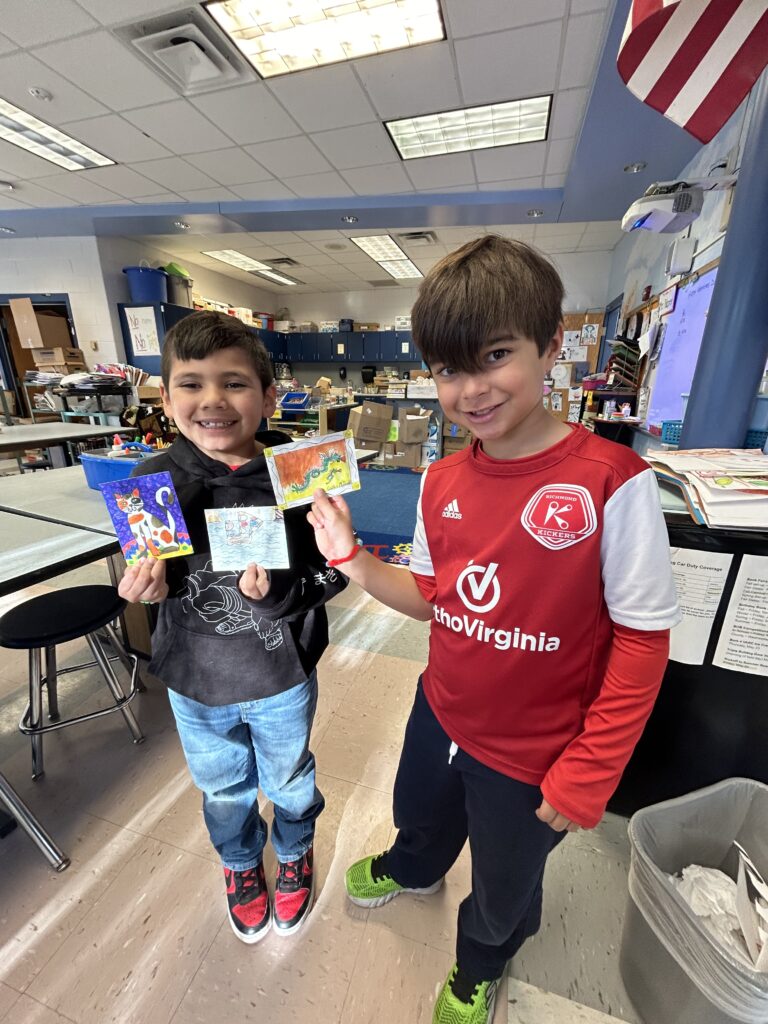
(7, 186)
(380, 247)
(455, 131)
(274, 276)
(40, 94)
(181, 224)
(636, 167)
(8, 231)
(28, 132)
(236, 259)
(349, 219)
(535, 213)
(401, 268)
(291, 35)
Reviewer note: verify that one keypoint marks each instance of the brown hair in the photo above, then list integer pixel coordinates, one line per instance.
(199, 335)
(488, 285)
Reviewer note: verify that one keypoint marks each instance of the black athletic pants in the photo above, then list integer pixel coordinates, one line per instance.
(438, 806)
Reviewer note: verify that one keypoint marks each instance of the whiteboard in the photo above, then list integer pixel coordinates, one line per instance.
(142, 328)
(680, 348)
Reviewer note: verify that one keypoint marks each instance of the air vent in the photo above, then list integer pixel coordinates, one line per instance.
(419, 239)
(189, 51)
(282, 261)
(385, 284)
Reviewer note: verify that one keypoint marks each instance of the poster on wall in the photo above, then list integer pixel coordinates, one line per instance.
(589, 333)
(142, 328)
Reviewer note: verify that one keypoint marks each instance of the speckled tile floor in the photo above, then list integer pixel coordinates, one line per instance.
(134, 932)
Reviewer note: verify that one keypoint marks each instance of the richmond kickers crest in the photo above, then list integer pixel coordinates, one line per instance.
(560, 515)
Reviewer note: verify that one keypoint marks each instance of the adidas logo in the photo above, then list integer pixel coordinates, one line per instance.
(451, 510)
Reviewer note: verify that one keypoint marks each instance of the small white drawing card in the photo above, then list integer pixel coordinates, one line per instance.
(297, 470)
(589, 333)
(239, 536)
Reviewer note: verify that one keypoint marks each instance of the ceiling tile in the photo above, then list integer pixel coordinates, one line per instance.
(509, 65)
(554, 180)
(75, 186)
(112, 12)
(287, 157)
(6, 45)
(582, 46)
(586, 6)
(247, 113)
(360, 146)
(297, 249)
(179, 126)
(471, 19)
(563, 227)
(509, 162)
(386, 179)
(7, 203)
(404, 83)
(559, 153)
(318, 261)
(101, 65)
(120, 179)
(274, 237)
(437, 171)
(319, 185)
(318, 237)
(174, 173)
(444, 189)
(323, 98)
(116, 138)
(31, 22)
(568, 113)
(229, 166)
(514, 185)
(20, 70)
(217, 194)
(266, 190)
(158, 198)
(19, 165)
(36, 195)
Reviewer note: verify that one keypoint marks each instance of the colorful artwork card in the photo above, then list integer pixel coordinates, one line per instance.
(297, 470)
(240, 536)
(147, 517)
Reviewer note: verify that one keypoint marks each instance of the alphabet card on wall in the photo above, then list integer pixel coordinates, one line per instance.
(147, 518)
(297, 470)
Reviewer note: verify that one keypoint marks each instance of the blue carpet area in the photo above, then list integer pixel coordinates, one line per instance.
(384, 512)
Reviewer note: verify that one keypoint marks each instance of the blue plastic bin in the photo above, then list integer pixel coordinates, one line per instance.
(147, 284)
(100, 467)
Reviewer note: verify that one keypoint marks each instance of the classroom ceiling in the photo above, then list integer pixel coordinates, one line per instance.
(258, 160)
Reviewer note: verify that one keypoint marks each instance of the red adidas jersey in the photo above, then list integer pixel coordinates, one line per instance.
(528, 562)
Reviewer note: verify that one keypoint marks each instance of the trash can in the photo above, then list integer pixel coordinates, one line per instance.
(146, 284)
(674, 970)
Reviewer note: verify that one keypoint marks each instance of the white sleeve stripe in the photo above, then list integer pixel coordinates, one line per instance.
(638, 585)
(421, 560)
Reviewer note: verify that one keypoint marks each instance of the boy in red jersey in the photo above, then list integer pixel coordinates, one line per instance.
(541, 557)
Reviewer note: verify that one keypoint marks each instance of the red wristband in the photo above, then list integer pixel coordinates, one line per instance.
(333, 562)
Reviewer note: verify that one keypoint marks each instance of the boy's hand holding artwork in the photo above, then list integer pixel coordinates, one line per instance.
(332, 522)
(254, 583)
(144, 581)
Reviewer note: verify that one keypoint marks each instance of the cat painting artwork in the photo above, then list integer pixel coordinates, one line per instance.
(297, 470)
(147, 519)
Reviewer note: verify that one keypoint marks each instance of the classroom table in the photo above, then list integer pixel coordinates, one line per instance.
(50, 435)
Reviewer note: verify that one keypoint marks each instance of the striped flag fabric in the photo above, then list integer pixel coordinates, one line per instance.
(694, 60)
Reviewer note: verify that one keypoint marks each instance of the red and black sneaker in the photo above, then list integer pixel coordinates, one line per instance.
(248, 901)
(294, 891)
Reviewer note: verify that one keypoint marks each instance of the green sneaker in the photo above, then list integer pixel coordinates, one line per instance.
(460, 1002)
(368, 889)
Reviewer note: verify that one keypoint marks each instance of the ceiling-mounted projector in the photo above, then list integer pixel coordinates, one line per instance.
(670, 206)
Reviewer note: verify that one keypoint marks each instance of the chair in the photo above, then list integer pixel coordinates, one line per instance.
(55, 857)
(43, 622)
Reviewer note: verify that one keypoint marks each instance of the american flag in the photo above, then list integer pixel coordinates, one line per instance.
(694, 60)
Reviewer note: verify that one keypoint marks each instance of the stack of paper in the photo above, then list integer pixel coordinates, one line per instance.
(725, 488)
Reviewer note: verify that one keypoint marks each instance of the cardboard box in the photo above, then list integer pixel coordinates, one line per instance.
(148, 392)
(10, 401)
(365, 327)
(54, 329)
(413, 425)
(409, 453)
(454, 430)
(403, 323)
(425, 390)
(44, 356)
(455, 444)
(370, 421)
(26, 323)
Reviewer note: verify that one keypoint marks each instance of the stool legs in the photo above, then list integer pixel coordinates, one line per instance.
(52, 684)
(55, 857)
(112, 681)
(36, 711)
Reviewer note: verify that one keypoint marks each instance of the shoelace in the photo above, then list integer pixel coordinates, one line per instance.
(245, 881)
(288, 876)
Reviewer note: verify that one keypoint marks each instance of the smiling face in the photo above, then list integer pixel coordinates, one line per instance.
(501, 402)
(218, 403)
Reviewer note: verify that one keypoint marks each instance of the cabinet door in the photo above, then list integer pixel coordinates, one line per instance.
(353, 343)
(339, 347)
(294, 348)
(324, 346)
(388, 349)
(406, 350)
(371, 351)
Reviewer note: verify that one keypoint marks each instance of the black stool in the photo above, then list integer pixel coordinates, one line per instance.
(51, 619)
(8, 795)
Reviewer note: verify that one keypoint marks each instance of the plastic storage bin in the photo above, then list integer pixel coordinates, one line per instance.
(673, 969)
(147, 284)
(99, 467)
(180, 290)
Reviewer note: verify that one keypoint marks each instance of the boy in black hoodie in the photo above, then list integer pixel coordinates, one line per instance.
(238, 651)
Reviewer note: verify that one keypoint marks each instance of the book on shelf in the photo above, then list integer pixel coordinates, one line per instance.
(723, 488)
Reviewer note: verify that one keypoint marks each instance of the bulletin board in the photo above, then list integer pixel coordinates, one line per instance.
(683, 331)
(582, 336)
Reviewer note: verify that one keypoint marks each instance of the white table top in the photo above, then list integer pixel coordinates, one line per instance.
(40, 435)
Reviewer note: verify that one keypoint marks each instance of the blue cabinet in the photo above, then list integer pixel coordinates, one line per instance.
(294, 349)
(353, 346)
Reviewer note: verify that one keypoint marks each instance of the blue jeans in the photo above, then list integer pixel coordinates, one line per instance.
(233, 749)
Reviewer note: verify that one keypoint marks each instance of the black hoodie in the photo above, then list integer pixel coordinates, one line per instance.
(212, 643)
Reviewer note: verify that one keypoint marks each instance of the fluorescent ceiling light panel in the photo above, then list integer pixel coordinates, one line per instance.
(380, 247)
(30, 133)
(401, 268)
(274, 276)
(236, 259)
(455, 131)
(281, 36)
